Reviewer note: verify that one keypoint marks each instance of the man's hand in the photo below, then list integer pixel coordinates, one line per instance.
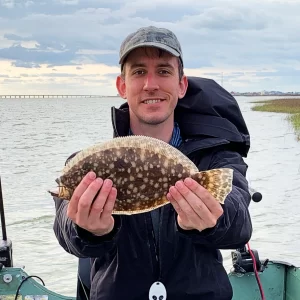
(94, 216)
(195, 206)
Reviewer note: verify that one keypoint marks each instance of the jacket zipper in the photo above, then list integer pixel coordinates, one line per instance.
(159, 242)
(153, 248)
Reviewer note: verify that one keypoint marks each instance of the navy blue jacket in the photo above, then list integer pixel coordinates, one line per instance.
(125, 262)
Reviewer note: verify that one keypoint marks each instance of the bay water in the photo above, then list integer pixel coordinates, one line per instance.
(37, 135)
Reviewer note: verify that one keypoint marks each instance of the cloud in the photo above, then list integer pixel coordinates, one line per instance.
(25, 64)
(232, 37)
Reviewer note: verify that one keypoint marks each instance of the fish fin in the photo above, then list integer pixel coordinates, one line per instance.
(218, 182)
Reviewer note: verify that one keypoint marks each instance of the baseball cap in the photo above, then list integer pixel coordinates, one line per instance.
(152, 36)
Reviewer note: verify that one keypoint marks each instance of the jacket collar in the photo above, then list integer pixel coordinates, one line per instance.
(208, 115)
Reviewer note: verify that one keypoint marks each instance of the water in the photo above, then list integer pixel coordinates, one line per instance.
(37, 135)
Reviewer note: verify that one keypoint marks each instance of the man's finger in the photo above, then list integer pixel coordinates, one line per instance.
(99, 202)
(86, 200)
(174, 203)
(109, 205)
(195, 201)
(209, 201)
(194, 210)
(203, 203)
(183, 220)
(98, 205)
(183, 206)
(80, 189)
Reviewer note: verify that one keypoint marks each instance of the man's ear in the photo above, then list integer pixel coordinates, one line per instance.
(183, 85)
(121, 86)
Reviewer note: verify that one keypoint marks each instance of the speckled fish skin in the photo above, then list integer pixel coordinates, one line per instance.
(142, 170)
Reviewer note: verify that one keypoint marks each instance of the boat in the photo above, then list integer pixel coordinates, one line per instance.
(251, 277)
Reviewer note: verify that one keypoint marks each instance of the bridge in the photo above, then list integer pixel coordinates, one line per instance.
(52, 96)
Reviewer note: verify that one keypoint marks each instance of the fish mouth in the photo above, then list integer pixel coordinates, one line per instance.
(53, 193)
(61, 192)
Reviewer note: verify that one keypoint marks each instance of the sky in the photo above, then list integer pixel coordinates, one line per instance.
(72, 46)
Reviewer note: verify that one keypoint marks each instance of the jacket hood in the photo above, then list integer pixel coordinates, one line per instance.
(206, 111)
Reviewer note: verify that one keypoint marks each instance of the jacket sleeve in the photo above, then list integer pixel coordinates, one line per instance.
(77, 240)
(234, 228)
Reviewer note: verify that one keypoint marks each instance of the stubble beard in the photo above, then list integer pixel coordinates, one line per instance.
(155, 120)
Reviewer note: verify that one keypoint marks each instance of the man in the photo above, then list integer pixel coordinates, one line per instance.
(176, 245)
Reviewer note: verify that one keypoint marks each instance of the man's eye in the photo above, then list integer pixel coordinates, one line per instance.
(139, 72)
(164, 72)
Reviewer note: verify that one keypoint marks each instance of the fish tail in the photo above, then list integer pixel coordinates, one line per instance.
(218, 182)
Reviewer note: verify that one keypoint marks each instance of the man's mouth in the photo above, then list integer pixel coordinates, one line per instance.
(152, 101)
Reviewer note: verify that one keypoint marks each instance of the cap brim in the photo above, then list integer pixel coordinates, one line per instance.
(150, 44)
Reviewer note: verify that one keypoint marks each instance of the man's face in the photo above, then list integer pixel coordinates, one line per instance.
(151, 86)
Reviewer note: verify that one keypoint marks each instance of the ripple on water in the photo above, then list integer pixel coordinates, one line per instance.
(35, 152)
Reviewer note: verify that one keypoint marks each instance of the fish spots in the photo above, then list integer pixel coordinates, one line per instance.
(210, 185)
(131, 186)
(165, 163)
(86, 166)
(142, 170)
(225, 185)
(178, 169)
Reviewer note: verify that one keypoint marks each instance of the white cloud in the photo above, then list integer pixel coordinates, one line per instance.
(7, 3)
(217, 36)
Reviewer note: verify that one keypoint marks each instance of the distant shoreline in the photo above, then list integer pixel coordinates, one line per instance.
(117, 96)
(286, 105)
(281, 95)
(54, 96)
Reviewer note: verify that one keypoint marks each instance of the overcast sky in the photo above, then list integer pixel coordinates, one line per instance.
(71, 46)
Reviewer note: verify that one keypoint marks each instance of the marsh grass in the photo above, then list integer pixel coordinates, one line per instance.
(285, 105)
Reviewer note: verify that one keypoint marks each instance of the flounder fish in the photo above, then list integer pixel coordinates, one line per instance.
(142, 169)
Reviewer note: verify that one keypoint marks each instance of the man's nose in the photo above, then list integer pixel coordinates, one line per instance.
(151, 83)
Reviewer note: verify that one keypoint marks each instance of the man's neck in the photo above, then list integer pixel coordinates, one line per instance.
(162, 131)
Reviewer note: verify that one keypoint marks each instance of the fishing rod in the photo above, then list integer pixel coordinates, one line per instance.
(246, 260)
(5, 243)
(4, 236)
